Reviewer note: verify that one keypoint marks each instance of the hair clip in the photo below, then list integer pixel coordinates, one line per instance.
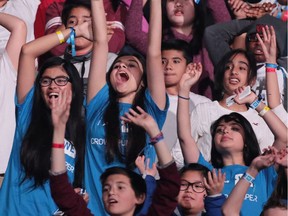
(196, 1)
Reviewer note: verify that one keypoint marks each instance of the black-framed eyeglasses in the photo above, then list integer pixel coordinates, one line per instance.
(253, 37)
(197, 187)
(60, 81)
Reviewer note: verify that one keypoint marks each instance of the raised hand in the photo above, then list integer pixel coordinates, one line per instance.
(143, 166)
(191, 76)
(268, 44)
(239, 8)
(142, 119)
(263, 161)
(214, 183)
(84, 30)
(60, 109)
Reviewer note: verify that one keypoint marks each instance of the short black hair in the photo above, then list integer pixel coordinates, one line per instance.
(70, 4)
(179, 45)
(194, 167)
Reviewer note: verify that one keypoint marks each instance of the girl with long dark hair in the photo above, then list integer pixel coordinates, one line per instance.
(25, 189)
(111, 141)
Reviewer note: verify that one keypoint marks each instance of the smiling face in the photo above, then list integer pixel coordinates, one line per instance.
(189, 200)
(229, 136)
(174, 65)
(79, 15)
(118, 196)
(180, 12)
(51, 92)
(236, 74)
(126, 77)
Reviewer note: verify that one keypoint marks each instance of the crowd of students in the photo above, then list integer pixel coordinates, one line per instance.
(105, 114)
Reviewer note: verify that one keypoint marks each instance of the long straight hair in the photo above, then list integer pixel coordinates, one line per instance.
(35, 150)
(136, 134)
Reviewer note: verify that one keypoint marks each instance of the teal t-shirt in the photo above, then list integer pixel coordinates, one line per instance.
(22, 199)
(95, 163)
(258, 193)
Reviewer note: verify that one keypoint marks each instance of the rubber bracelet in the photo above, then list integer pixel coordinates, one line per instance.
(185, 98)
(156, 139)
(264, 111)
(270, 70)
(58, 145)
(248, 178)
(270, 65)
(60, 37)
(256, 103)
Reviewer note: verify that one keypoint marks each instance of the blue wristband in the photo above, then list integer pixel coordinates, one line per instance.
(256, 103)
(71, 41)
(248, 178)
(269, 65)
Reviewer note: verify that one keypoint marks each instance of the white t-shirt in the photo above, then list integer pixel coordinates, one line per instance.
(206, 113)
(8, 77)
(23, 9)
(170, 126)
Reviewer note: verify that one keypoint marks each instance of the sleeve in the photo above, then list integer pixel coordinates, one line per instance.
(134, 34)
(53, 22)
(159, 116)
(98, 102)
(213, 205)
(117, 41)
(66, 198)
(24, 112)
(219, 36)
(281, 113)
(205, 163)
(164, 200)
(271, 177)
(150, 188)
(219, 10)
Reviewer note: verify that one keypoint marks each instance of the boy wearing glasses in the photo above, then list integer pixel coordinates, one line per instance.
(197, 194)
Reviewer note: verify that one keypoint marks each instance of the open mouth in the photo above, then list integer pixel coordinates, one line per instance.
(178, 12)
(124, 76)
(112, 201)
(53, 95)
(233, 81)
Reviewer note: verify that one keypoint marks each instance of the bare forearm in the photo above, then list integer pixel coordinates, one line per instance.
(57, 154)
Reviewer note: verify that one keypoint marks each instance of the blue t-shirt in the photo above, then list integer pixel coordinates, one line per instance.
(22, 199)
(258, 193)
(95, 163)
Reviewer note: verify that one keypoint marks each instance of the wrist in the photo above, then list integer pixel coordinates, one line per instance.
(252, 170)
(256, 102)
(157, 138)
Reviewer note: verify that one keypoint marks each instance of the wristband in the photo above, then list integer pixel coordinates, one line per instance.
(60, 37)
(256, 103)
(269, 70)
(270, 65)
(248, 178)
(58, 145)
(71, 41)
(156, 139)
(185, 98)
(263, 111)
